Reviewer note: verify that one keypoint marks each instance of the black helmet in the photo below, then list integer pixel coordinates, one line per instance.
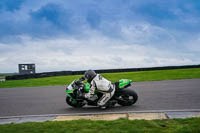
(89, 75)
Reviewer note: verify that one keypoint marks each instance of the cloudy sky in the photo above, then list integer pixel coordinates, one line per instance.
(98, 34)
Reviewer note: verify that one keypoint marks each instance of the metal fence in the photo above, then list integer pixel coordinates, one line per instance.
(2, 80)
(62, 73)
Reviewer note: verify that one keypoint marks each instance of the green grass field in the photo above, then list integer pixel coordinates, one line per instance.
(135, 76)
(191, 125)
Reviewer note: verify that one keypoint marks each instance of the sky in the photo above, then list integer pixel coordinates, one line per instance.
(98, 34)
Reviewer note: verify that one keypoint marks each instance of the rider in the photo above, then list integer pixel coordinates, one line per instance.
(101, 84)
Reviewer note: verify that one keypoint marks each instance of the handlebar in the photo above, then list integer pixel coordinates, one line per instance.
(82, 79)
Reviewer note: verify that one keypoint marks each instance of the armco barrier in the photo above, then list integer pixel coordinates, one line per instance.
(62, 73)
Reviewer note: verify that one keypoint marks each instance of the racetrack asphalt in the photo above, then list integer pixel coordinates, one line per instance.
(155, 95)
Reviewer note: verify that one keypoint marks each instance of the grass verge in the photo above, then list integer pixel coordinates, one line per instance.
(190, 125)
(135, 76)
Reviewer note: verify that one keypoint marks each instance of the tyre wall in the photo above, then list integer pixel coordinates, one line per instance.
(63, 73)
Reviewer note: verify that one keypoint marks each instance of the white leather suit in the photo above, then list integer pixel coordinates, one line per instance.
(102, 85)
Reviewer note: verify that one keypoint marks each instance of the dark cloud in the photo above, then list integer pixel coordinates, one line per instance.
(52, 13)
(53, 19)
(11, 5)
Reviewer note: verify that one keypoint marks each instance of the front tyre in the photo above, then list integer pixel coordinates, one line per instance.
(127, 98)
(74, 103)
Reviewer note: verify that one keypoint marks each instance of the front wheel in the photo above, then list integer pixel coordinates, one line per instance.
(74, 102)
(127, 98)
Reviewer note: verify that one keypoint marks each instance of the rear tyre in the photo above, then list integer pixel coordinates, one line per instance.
(74, 103)
(128, 98)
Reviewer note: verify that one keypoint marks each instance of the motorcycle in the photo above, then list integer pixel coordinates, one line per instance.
(123, 95)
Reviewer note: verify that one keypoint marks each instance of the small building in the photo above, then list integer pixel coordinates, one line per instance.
(26, 69)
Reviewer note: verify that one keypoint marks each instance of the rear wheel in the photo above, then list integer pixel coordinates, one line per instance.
(127, 98)
(74, 103)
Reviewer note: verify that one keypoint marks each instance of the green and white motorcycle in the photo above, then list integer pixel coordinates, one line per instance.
(124, 96)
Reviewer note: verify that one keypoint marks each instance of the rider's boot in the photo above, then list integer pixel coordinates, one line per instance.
(110, 103)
